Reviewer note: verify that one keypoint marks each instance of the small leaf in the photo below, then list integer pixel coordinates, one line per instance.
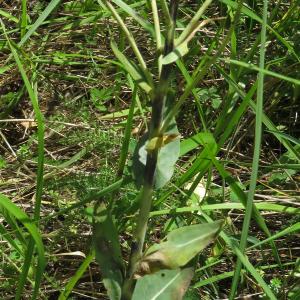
(108, 252)
(2, 163)
(178, 52)
(202, 138)
(8, 16)
(99, 97)
(181, 246)
(163, 285)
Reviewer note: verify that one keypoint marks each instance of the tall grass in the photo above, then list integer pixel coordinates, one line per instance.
(256, 153)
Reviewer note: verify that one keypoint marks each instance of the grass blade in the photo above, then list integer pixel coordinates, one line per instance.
(248, 12)
(256, 154)
(289, 230)
(131, 12)
(267, 122)
(261, 70)
(129, 36)
(137, 75)
(8, 16)
(38, 195)
(228, 206)
(23, 23)
(127, 134)
(43, 16)
(193, 24)
(64, 295)
(243, 258)
(15, 211)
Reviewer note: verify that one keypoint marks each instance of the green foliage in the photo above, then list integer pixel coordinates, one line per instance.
(3, 163)
(163, 285)
(177, 53)
(108, 252)
(276, 285)
(7, 207)
(99, 97)
(181, 246)
(135, 72)
(209, 98)
(166, 160)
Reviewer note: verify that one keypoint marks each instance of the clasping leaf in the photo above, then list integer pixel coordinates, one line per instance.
(181, 246)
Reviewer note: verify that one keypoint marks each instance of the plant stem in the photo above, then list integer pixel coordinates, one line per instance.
(158, 105)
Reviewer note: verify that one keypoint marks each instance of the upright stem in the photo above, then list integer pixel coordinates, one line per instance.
(158, 104)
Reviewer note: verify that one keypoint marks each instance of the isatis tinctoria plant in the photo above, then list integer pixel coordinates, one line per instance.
(162, 271)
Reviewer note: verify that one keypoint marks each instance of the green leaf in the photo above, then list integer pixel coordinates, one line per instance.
(285, 136)
(163, 285)
(108, 252)
(74, 279)
(226, 206)
(202, 138)
(167, 157)
(181, 246)
(178, 52)
(262, 70)
(14, 210)
(7, 15)
(99, 97)
(5, 69)
(5, 235)
(135, 73)
(286, 231)
(42, 17)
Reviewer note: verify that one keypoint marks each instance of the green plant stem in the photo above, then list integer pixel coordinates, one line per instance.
(127, 135)
(156, 24)
(158, 104)
(25, 269)
(256, 154)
